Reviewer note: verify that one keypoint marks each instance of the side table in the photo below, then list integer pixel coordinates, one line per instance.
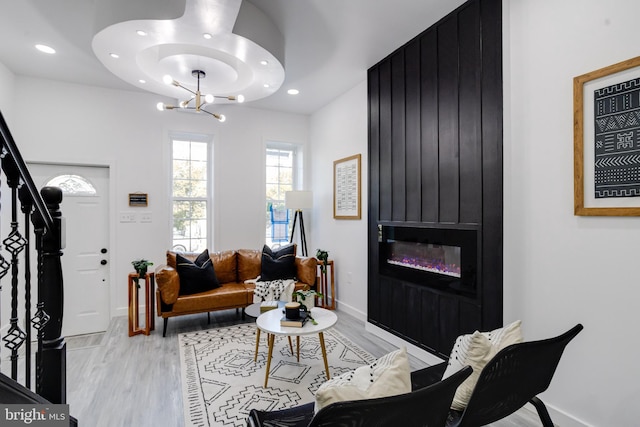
(134, 315)
(327, 285)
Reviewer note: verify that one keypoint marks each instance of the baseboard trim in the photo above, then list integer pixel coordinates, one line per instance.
(413, 350)
(351, 311)
(561, 418)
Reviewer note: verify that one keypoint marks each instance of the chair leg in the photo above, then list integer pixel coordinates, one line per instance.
(164, 327)
(542, 412)
(208, 318)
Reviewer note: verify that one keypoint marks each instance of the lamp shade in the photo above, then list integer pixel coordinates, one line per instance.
(298, 200)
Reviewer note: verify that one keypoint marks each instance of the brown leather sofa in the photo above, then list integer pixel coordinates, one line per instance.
(232, 269)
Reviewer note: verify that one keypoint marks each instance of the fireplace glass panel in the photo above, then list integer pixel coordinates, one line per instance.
(439, 259)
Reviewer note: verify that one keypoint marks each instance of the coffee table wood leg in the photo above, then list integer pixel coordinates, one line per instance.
(324, 354)
(266, 374)
(290, 345)
(298, 347)
(255, 356)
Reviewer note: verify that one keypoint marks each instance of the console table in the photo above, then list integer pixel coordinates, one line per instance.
(134, 315)
(327, 285)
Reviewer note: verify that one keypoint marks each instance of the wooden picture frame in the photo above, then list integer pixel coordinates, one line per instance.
(606, 150)
(346, 187)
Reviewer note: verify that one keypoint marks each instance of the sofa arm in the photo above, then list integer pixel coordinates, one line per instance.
(168, 283)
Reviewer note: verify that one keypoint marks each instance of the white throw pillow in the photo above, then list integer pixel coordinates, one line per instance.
(476, 350)
(388, 376)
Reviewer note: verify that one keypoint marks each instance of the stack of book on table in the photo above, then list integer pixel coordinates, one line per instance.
(268, 305)
(295, 323)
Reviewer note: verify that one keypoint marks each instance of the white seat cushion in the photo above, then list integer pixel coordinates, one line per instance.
(476, 350)
(388, 376)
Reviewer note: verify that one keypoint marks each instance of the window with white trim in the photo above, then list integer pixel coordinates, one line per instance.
(191, 193)
(283, 173)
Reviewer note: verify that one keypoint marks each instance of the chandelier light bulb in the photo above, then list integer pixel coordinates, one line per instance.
(167, 79)
(184, 104)
(160, 106)
(240, 98)
(208, 98)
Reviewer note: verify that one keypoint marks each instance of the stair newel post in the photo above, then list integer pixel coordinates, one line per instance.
(52, 384)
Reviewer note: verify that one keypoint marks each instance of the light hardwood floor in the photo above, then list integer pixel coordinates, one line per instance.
(117, 381)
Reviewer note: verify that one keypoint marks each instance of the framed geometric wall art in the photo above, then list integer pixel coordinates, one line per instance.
(607, 141)
(346, 188)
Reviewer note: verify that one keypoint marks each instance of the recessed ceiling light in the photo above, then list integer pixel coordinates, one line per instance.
(45, 49)
(141, 33)
(143, 81)
(267, 85)
(293, 91)
(207, 36)
(114, 55)
(264, 62)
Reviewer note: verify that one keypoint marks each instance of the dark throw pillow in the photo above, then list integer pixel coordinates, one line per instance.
(280, 264)
(196, 276)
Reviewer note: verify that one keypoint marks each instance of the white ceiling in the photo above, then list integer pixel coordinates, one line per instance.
(328, 44)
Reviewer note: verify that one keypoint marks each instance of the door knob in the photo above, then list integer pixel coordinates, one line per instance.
(103, 250)
(103, 262)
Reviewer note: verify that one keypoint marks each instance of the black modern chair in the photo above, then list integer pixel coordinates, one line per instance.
(426, 406)
(513, 378)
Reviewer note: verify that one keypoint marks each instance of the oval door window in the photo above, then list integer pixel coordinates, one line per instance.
(73, 185)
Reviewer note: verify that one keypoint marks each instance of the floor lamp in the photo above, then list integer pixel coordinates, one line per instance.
(299, 200)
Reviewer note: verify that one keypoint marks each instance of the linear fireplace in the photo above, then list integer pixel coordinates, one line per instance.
(442, 258)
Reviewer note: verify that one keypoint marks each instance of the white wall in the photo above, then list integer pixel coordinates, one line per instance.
(561, 269)
(67, 123)
(336, 131)
(6, 92)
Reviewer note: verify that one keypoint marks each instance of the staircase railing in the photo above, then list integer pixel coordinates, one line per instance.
(29, 207)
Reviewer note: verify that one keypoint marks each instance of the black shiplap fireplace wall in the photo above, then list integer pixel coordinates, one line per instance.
(435, 161)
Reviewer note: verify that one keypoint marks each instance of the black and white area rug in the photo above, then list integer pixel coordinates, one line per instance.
(221, 383)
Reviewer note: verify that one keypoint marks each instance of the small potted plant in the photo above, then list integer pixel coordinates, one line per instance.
(141, 266)
(322, 256)
(307, 297)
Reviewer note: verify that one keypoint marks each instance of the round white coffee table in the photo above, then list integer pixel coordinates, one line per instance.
(269, 322)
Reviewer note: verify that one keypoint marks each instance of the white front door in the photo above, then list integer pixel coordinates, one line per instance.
(85, 260)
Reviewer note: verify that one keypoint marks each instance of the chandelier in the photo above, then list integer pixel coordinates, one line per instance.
(199, 100)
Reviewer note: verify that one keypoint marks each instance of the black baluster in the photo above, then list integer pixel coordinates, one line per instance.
(27, 207)
(14, 243)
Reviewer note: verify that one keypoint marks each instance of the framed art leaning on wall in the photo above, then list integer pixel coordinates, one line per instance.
(607, 141)
(346, 188)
